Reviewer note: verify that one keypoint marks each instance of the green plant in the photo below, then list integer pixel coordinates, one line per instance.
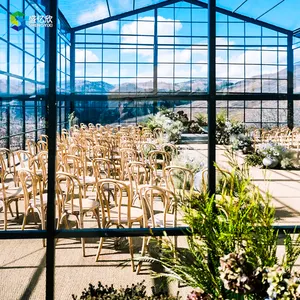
(135, 292)
(172, 129)
(225, 128)
(201, 119)
(253, 159)
(233, 244)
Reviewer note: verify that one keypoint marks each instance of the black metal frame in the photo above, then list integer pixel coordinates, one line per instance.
(51, 112)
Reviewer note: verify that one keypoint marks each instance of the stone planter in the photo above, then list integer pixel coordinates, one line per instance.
(270, 162)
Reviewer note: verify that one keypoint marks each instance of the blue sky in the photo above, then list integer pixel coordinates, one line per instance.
(286, 14)
(77, 14)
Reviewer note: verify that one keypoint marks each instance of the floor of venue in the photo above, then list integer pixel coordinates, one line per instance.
(22, 262)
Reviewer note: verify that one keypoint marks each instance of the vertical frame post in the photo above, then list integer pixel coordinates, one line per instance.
(211, 96)
(290, 82)
(155, 54)
(51, 77)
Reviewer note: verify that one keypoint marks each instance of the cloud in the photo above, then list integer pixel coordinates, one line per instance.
(90, 56)
(98, 13)
(144, 27)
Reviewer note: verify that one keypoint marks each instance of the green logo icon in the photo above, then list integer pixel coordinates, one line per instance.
(17, 20)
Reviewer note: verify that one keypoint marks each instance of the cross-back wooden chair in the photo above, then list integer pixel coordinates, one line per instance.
(35, 200)
(71, 201)
(121, 214)
(8, 195)
(161, 210)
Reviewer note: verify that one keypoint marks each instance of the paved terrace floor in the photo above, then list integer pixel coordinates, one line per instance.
(22, 262)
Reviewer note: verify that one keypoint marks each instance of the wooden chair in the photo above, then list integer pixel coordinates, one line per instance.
(10, 164)
(158, 160)
(35, 199)
(72, 202)
(75, 165)
(8, 194)
(180, 181)
(120, 213)
(163, 215)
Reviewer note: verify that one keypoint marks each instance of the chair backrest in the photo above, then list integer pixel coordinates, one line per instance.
(179, 180)
(43, 163)
(100, 151)
(170, 148)
(139, 173)
(146, 148)
(158, 160)
(103, 168)
(26, 160)
(121, 197)
(31, 186)
(42, 146)
(9, 160)
(68, 188)
(73, 165)
(150, 196)
(32, 147)
(127, 155)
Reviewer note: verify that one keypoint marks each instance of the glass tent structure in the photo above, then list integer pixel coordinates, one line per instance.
(117, 62)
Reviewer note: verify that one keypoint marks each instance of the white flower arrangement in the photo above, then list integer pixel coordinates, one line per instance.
(273, 150)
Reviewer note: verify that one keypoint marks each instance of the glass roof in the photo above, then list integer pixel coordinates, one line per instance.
(282, 13)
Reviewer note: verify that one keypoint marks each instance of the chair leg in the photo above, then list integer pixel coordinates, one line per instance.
(82, 239)
(131, 252)
(5, 215)
(99, 248)
(97, 215)
(10, 210)
(17, 209)
(143, 252)
(25, 217)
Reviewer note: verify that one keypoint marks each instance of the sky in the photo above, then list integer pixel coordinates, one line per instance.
(169, 23)
(285, 15)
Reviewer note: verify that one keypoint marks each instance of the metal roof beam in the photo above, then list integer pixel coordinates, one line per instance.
(240, 5)
(108, 8)
(270, 9)
(124, 15)
(241, 17)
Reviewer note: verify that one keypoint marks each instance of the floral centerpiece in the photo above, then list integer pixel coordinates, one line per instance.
(172, 129)
(242, 142)
(226, 128)
(274, 155)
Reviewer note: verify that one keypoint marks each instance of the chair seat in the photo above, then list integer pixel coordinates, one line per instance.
(159, 220)
(13, 192)
(136, 214)
(88, 179)
(38, 200)
(87, 204)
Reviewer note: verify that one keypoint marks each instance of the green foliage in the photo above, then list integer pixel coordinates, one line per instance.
(201, 119)
(225, 128)
(254, 159)
(233, 243)
(135, 292)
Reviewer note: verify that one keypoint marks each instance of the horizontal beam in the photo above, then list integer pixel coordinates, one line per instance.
(179, 96)
(94, 232)
(123, 232)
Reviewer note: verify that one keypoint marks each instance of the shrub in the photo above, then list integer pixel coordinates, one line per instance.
(201, 119)
(135, 292)
(253, 159)
(225, 128)
(232, 250)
